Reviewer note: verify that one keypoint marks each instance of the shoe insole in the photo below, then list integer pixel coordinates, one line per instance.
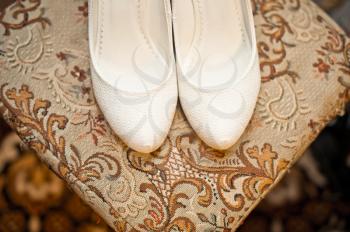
(129, 43)
(212, 39)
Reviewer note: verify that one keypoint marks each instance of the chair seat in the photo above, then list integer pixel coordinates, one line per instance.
(46, 96)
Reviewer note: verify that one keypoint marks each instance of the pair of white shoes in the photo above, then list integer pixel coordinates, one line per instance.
(137, 83)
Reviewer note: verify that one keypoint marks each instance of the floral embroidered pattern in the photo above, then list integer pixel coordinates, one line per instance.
(273, 53)
(20, 11)
(32, 122)
(69, 81)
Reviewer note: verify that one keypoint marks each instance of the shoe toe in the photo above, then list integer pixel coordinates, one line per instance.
(222, 135)
(145, 141)
(142, 122)
(220, 118)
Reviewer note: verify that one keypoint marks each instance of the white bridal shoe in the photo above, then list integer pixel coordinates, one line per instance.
(132, 65)
(218, 67)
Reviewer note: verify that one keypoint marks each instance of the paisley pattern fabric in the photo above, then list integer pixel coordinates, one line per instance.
(46, 96)
(33, 198)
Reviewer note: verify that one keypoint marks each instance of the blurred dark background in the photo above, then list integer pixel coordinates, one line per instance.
(314, 196)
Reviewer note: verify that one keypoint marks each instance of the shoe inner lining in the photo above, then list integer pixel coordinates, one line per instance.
(130, 43)
(212, 41)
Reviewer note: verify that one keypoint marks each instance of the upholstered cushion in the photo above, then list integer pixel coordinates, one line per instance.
(46, 96)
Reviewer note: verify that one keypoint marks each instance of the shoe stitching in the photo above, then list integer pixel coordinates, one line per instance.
(102, 28)
(247, 73)
(100, 47)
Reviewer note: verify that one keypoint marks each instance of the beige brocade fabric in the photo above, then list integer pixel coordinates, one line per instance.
(46, 96)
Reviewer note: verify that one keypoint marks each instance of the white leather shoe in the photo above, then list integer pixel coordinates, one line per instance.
(218, 67)
(132, 66)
